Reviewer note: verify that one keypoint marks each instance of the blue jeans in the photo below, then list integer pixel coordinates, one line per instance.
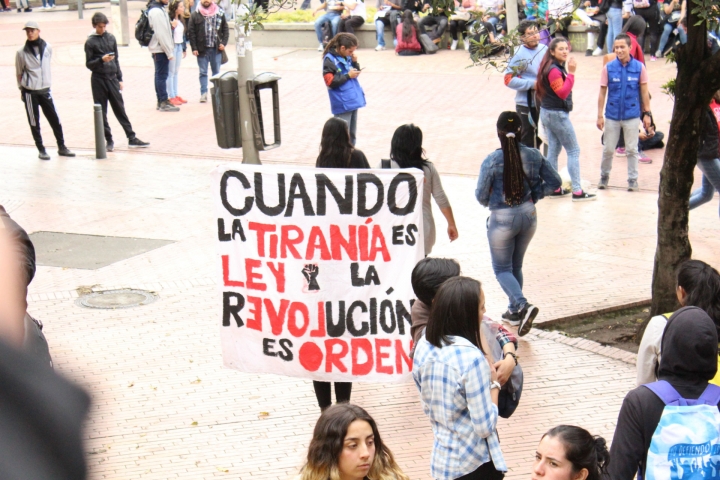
(509, 233)
(333, 18)
(214, 58)
(615, 23)
(710, 182)
(667, 30)
(380, 31)
(161, 75)
(351, 119)
(561, 133)
(173, 71)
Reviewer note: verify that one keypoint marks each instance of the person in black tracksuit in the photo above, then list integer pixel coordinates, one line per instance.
(101, 57)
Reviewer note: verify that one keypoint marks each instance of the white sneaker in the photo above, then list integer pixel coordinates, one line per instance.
(466, 42)
(597, 52)
(454, 45)
(379, 48)
(321, 48)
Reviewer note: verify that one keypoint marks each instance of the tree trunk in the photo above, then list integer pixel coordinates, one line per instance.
(697, 79)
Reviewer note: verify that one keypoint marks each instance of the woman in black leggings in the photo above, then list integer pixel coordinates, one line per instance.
(651, 14)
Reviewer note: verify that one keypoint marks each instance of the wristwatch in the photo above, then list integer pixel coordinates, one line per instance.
(495, 384)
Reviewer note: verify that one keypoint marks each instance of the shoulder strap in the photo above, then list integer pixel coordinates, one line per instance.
(385, 163)
(666, 393)
(711, 396)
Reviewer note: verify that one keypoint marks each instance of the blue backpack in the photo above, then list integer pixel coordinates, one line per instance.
(686, 442)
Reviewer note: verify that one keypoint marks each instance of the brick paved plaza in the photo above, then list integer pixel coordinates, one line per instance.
(163, 405)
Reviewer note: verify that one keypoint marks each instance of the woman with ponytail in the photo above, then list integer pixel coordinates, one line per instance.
(340, 72)
(567, 452)
(512, 180)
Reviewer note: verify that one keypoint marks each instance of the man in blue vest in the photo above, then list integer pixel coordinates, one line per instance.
(625, 83)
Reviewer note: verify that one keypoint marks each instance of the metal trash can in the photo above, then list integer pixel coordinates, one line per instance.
(226, 109)
(266, 80)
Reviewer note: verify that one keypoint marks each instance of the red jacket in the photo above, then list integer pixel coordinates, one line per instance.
(413, 45)
(635, 49)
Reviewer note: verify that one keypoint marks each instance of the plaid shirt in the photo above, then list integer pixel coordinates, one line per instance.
(454, 384)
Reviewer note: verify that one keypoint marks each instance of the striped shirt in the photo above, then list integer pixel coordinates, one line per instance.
(454, 384)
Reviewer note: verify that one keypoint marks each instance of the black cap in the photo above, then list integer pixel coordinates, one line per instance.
(509, 122)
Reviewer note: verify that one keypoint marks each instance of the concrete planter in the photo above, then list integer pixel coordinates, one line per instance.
(302, 35)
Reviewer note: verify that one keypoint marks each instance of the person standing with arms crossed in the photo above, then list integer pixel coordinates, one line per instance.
(625, 82)
(32, 70)
(101, 57)
(340, 72)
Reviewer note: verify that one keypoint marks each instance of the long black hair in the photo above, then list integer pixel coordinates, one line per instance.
(542, 86)
(343, 39)
(455, 312)
(582, 450)
(509, 126)
(335, 146)
(701, 282)
(408, 22)
(406, 147)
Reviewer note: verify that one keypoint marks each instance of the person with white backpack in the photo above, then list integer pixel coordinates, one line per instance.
(670, 429)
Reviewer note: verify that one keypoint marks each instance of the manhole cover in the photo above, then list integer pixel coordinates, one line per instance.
(109, 299)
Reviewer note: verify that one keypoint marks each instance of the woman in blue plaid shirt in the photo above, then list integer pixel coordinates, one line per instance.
(459, 388)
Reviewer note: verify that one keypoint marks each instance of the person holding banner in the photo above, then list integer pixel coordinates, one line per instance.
(340, 72)
(406, 151)
(458, 386)
(336, 149)
(346, 444)
(511, 182)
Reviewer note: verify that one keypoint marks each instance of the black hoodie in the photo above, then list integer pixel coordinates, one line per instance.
(688, 362)
(96, 47)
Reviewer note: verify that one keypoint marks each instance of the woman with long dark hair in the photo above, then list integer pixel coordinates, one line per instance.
(567, 452)
(346, 445)
(336, 150)
(406, 33)
(406, 151)
(512, 180)
(340, 72)
(698, 285)
(459, 386)
(556, 77)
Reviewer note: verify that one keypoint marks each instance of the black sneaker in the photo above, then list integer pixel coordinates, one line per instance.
(43, 155)
(527, 314)
(137, 143)
(558, 193)
(583, 197)
(109, 146)
(166, 106)
(28, 9)
(512, 318)
(588, 52)
(64, 152)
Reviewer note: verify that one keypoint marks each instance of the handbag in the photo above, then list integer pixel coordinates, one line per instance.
(509, 396)
(224, 58)
(460, 16)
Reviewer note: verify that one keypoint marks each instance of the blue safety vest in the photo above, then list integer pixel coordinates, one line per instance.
(623, 90)
(349, 96)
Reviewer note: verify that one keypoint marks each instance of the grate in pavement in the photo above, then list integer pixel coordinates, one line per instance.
(88, 252)
(111, 299)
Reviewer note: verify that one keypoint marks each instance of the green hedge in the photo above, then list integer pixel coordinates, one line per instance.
(306, 16)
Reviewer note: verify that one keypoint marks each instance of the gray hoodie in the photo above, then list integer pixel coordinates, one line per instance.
(32, 70)
(162, 39)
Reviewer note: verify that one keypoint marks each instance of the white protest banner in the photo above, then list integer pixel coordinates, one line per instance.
(315, 270)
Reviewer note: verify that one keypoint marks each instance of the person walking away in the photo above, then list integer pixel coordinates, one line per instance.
(406, 151)
(408, 43)
(556, 77)
(458, 386)
(101, 58)
(32, 71)
(387, 14)
(176, 11)
(624, 81)
(353, 17)
(698, 285)
(521, 76)
(340, 72)
(336, 151)
(689, 361)
(208, 33)
(567, 452)
(162, 48)
(709, 156)
(511, 182)
(332, 16)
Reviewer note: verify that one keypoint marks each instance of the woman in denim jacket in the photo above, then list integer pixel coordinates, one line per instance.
(512, 180)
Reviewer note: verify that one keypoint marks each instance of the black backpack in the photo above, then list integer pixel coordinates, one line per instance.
(143, 30)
